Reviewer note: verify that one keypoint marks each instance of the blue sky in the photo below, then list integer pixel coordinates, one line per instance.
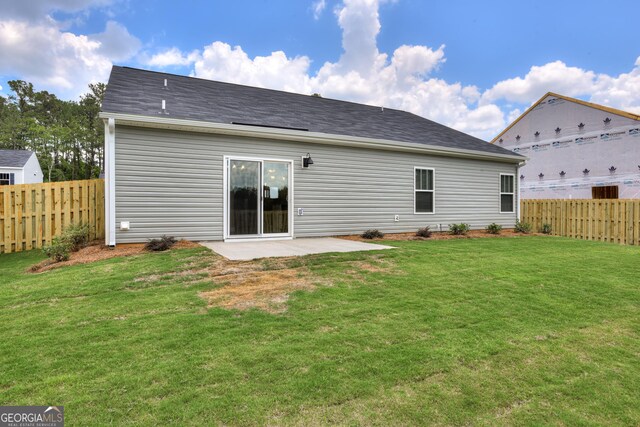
(471, 65)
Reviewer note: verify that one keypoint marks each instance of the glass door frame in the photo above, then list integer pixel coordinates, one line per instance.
(227, 205)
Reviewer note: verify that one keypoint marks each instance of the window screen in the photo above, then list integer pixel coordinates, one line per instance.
(424, 190)
(507, 193)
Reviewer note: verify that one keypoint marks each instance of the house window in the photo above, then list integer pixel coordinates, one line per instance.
(424, 190)
(606, 192)
(7, 178)
(507, 193)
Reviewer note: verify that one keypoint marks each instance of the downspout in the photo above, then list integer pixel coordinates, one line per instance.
(518, 190)
(110, 182)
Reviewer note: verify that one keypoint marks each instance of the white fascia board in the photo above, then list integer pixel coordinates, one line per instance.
(302, 136)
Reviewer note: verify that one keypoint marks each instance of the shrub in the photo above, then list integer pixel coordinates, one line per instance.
(546, 229)
(459, 229)
(77, 235)
(161, 244)
(59, 249)
(523, 227)
(494, 228)
(372, 234)
(424, 232)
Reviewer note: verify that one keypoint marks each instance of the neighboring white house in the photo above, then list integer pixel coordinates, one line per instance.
(19, 167)
(576, 149)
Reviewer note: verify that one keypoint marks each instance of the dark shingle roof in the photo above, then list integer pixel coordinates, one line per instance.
(14, 158)
(140, 92)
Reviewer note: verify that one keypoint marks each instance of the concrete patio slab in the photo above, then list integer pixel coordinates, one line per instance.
(244, 251)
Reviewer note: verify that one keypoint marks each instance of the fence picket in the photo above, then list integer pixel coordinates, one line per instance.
(615, 221)
(32, 214)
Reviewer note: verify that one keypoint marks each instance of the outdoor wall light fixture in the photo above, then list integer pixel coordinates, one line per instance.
(581, 125)
(522, 176)
(612, 169)
(558, 129)
(537, 134)
(540, 175)
(607, 121)
(562, 173)
(586, 171)
(307, 161)
(517, 137)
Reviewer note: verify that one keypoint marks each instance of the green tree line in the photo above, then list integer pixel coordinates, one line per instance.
(67, 136)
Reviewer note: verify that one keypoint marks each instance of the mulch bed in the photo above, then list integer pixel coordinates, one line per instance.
(442, 235)
(97, 251)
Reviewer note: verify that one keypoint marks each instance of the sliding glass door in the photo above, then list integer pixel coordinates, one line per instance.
(244, 197)
(275, 218)
(258, 198)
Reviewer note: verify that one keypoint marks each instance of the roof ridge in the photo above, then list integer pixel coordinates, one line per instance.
(322, 98)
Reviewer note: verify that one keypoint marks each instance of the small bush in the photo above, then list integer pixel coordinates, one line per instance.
(523, 227)
(459, 229)
(494, 228)
(546, 229)
(77, 235)
(424, 232)
(161, 244)
(59, 249)
(372, 234)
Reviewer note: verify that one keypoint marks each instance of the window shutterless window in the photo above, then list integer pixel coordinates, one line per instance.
(507, 193)
(7, 178)
(424, 189)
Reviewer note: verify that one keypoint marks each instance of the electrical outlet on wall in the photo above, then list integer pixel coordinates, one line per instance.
(396, 218)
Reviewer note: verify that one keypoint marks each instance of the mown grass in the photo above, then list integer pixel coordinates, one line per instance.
(525, 331)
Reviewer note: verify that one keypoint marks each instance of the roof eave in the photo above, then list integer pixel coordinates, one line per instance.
(302, 136)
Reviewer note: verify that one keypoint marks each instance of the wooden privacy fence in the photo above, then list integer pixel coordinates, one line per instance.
(616, 221)
(32, 214)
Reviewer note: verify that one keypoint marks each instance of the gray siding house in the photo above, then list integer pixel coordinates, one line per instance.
(19, 167)
(205, 160)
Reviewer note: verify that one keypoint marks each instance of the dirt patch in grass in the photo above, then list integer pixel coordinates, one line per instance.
(443, 235)
(266, 284)
(96, 251)
(265, 290)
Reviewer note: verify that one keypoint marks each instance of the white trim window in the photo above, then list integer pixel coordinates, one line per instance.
(424, 191)
(7, 178)
(507, 193)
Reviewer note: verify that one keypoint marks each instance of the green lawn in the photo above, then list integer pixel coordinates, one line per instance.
(514, 331)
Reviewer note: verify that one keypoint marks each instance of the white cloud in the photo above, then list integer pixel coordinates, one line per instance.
(552, 77)
(622, 91)
(318, 7)
(61, 61)
(219, 61)
(116, 43)
(172, 57)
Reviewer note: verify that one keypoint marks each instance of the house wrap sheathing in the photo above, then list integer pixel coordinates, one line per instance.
(574, 146)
